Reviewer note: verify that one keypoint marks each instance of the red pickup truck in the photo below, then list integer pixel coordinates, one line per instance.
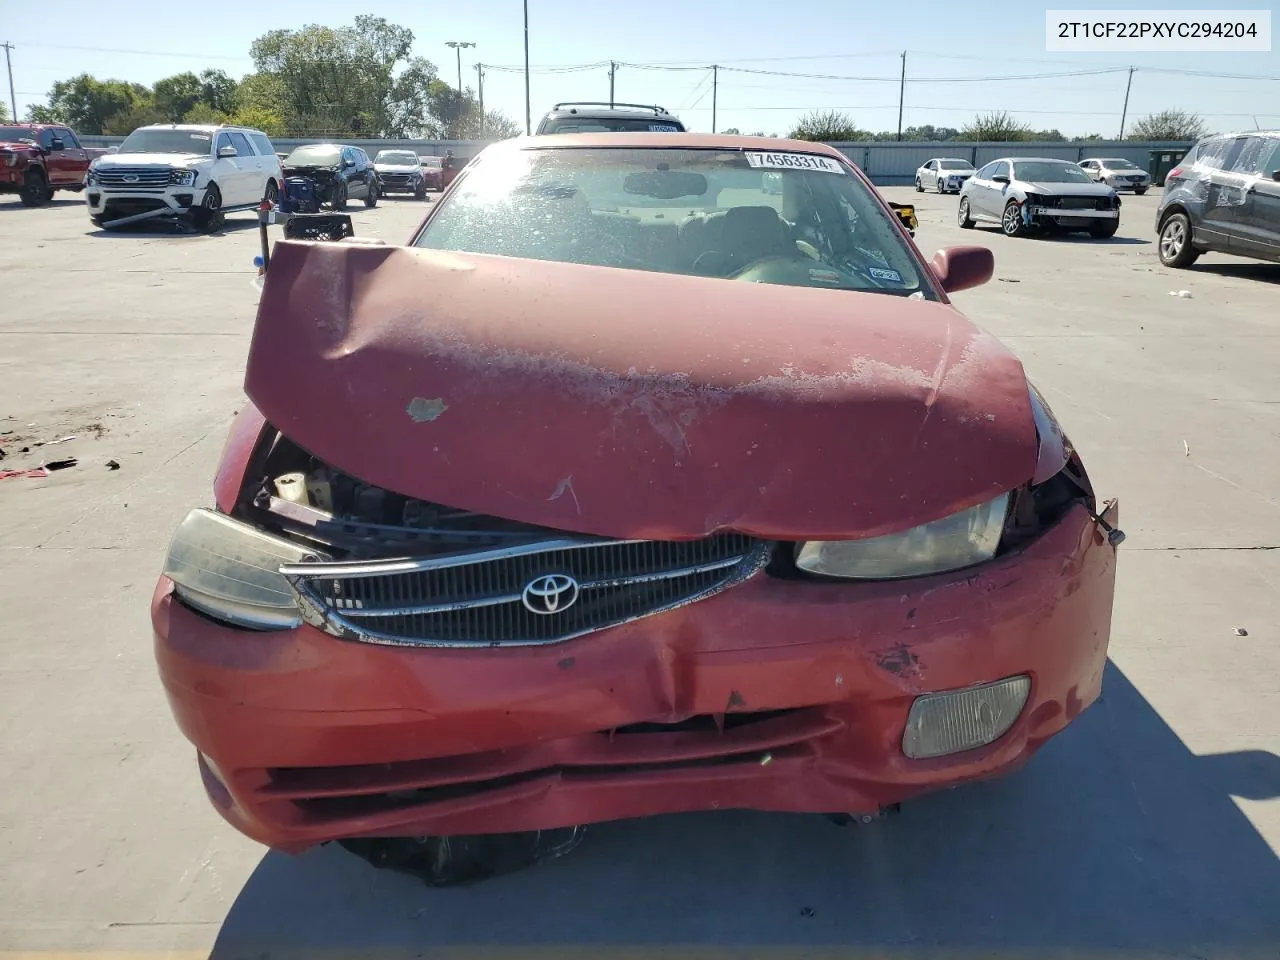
(38, 158)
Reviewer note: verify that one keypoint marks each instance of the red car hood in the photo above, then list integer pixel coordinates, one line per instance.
(635, 404)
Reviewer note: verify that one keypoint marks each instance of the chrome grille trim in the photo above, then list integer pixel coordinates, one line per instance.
(475, 597)
(146, 177)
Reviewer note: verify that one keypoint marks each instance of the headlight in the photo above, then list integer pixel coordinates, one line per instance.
(182, 178)
(230, 571)
(90, 178)
(960, 540)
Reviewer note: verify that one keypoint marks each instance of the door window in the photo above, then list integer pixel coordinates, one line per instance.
(1001, 169)
(241, 144)
(1216, 154)
(223, 141)
(263, 144)
(986, 172)
(68, 138)
(1255, 155)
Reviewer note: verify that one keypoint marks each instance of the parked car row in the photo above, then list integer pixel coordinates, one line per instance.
(949, 174)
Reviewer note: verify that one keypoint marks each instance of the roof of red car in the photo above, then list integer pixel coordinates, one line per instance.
(696, 141)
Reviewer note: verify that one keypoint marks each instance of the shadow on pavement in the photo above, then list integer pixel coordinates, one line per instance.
(1265, 272)
(1116, 839)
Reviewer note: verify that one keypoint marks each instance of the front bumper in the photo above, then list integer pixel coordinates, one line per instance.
(111, 203)
(390, 183)
(1033, 210)
(304, 738)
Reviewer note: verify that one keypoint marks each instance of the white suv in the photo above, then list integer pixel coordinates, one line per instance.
(195, 171)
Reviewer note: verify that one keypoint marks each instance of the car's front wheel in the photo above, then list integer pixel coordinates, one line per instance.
(962, 217)
(1174, 248)
(919, 186)
(272, 193)
(208, 217)
(1104, 230)
(1011, 221)
(1139, 191)
(371, 196)
(35, 190)
(339, 195)
(942, 185)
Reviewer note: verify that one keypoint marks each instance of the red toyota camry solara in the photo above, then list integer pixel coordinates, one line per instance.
(656, 474)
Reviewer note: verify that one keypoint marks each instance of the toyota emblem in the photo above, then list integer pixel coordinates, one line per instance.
(554, 593)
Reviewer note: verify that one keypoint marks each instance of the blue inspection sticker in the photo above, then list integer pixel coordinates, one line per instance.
(879, 273)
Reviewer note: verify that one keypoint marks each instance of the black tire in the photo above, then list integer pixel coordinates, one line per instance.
(1174, 245)
(942, 185)
(962, 215)
(97, 221)
(1105, 230)
(919, 186)
(421, 192)
(339, 195)
(371, 197)
(1011, 223)
(208, 217)
(1139, 191)
(35, 190)
(272, 193)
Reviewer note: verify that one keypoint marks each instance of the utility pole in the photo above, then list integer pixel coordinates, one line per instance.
(1124, 114)
(528, 117)
(13, 100)
(715, 93)
(480, 95)
(458, 46)
(902, 92)
(613, 69)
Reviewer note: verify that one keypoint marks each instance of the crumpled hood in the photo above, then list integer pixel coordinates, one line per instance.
(156, 159)
(1067, 189)
(635, 404)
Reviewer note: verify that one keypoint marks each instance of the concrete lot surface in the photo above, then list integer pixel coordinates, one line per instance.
(1150, 828)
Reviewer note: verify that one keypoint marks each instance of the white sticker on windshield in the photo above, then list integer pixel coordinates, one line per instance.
(663, 128)
(879, 273)
(201, 136)
(794, 161)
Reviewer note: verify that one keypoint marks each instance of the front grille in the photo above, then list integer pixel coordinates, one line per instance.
(132, 178)
(536, 593)
(395, 179)
(128, 206)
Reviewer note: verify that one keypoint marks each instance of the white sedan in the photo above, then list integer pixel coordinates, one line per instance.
(944, 174)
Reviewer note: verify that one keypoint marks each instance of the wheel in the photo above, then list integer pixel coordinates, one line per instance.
(1175, 247)
(273, 192)
(1105, 230)
(208, 217)
(919, 186)
(420, 192)
(1011, 220)
(97, 222)
(340, 195)
(1139, 191)
(371, 198)
(942, 185)
(35, 190)
(963, 218)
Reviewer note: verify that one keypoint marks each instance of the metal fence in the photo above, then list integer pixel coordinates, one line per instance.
(887, 163)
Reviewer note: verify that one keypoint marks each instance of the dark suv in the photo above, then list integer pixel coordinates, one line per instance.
(1225, 197)
(593, 117)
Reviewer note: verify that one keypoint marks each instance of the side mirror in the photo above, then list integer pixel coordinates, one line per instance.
(1275, 175)
(999, 178)
(58, 144)
(226, 152)
(348, 162)
(959, 268)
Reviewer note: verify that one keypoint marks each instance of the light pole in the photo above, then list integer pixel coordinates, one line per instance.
(458, 46)
(528, 116)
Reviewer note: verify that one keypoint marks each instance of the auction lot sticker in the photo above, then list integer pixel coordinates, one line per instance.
(793, 161)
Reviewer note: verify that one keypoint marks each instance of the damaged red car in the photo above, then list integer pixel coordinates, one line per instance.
(629, 486)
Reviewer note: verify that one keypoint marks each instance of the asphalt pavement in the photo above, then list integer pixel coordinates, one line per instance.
(1149, 829)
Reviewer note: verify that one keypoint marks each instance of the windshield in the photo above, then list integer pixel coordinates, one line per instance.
(1120, 165)
(401, 158)
(14, 134)
(316, 154)
(695, 212)
(955, 164)
(432, 162)
(194, 142)
(1043, 171)
(612, 125)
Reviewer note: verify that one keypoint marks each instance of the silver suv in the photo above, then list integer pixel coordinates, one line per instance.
(600, 117)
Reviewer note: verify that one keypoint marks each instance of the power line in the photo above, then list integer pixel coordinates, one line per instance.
(143, 53)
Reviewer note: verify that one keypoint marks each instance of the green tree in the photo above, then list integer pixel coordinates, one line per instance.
(86, 103)
(142, 112)
(828, 125)
(732, 132)
(176, 96)
(995, 128)
(4, 112)
(1168, 125)
(204, 113)
(408, 100)
(218, 90)
(259, 118)
(452, 113)
(43, 113)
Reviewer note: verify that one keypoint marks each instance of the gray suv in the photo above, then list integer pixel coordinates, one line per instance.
(599, 117)
(1224, 197)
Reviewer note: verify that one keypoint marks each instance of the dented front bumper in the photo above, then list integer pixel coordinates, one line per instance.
(777, 695)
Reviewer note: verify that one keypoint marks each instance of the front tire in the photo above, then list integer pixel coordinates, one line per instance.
(1105, 231)
(339, 195)
(35, 190)
(208, 217)
(1174, 247)
(420, 192)
(919, 186)
(1011, 223)
(272, 193)
(942, 185)
(962, 217)
(1139, 191)
(371, 197)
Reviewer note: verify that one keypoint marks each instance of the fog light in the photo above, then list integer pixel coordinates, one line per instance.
(943, 723)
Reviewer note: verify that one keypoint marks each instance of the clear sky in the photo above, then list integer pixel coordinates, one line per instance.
(143, 42)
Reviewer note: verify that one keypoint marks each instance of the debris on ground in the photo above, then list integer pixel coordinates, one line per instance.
(1008, 280)
(456, 861)
(1241, 632)
(1184, 294)
(60, 464)
(1186, 448)
(113, 465)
